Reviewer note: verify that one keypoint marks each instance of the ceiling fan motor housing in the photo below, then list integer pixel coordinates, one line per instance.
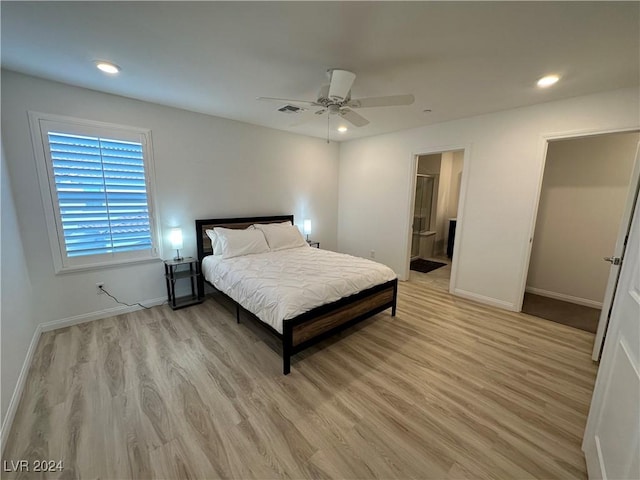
(340, 85)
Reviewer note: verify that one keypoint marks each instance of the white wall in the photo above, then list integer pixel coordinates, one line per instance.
(584, 191)
(206, 167)
(502, 171)
(17, 322)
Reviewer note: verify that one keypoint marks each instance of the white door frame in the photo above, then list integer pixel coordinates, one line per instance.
(413, 171)
(543, 147)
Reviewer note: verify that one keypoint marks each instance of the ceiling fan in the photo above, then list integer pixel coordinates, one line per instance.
(335, 99)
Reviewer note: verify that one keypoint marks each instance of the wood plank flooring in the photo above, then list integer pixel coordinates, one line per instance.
(447, 389)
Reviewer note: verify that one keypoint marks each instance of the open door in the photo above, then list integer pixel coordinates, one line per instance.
(616, 258)
(611, 441)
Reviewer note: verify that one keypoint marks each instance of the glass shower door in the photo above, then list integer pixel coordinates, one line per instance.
(421, 210)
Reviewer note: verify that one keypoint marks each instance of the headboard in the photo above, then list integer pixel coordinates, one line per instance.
(204, 242)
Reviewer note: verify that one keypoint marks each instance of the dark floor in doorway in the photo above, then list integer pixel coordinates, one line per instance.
(577, 316)
(425, 266)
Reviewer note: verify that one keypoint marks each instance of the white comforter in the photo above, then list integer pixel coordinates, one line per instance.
(276, 286)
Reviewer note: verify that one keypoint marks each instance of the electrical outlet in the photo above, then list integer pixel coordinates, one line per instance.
(372, 254)
(99, 288)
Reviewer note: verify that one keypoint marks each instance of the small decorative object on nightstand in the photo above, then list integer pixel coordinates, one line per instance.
(173, 273)
(313, 244)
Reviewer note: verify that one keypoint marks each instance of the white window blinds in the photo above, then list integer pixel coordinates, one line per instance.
(102, 195)
(96, 181)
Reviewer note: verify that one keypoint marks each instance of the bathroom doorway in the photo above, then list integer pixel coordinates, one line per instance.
(435, 206)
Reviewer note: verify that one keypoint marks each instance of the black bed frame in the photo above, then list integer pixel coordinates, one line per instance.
(315, 325)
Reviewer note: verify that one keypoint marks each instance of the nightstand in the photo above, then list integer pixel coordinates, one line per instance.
(313, 244)
(175, 270)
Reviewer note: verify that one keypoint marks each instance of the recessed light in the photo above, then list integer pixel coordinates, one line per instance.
(108, 67)
(547, 81)
(342, 129)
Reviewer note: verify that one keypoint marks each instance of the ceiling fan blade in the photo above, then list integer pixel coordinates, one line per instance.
(388, 101)
(341, 82)
(353, 117)
(288, 100)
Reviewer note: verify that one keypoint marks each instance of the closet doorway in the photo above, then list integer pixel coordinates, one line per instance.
(586, 188)
(436, 196)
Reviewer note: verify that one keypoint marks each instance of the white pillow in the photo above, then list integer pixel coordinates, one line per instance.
(216, 246)
(280, 236)
(235, 243)
(280, 224)
(215, 243)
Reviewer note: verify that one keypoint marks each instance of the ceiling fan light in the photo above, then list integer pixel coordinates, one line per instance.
(342, 129)
(548, 80)
(107, 67)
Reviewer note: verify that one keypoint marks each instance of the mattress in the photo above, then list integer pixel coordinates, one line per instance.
(277, 286)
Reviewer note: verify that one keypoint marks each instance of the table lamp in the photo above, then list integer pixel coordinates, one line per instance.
(306, 227)
(175, 236)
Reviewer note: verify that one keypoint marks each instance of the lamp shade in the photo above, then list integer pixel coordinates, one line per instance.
(306, 226)
(175, 236)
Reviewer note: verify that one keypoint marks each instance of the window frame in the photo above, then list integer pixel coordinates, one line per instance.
(40, 125)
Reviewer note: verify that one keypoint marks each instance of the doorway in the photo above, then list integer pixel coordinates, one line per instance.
(584, 192)
(435, 206)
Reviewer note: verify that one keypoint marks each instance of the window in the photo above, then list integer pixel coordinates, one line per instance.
(96, 186)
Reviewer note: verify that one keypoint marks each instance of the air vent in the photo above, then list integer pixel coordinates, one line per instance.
(291, 109)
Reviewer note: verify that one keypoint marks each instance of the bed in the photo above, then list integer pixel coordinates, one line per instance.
(296, 331)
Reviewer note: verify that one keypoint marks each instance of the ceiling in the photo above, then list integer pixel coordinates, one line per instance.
(458, 58)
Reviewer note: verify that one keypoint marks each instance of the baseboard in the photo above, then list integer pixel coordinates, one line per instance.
(567, 298)
(90, 317)
(17, 391)
(494, 302)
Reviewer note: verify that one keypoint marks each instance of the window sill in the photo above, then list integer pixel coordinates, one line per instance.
(104, 265)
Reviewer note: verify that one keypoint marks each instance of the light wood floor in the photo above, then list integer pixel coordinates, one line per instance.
(446, 389)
